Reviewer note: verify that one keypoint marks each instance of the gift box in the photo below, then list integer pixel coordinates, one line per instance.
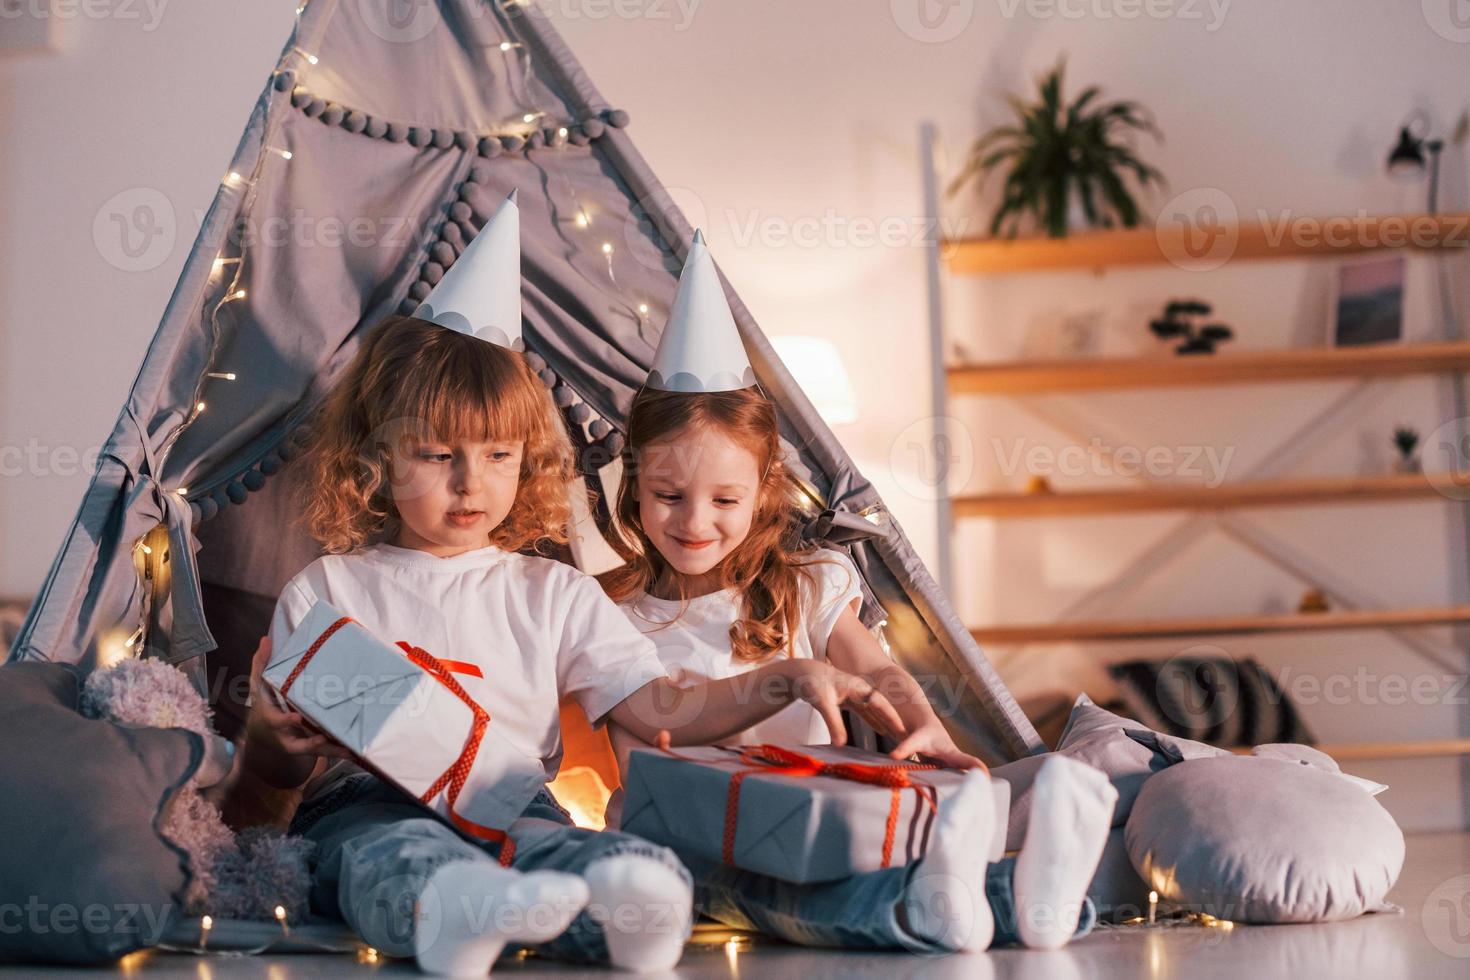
(803, 814)
(405, 716)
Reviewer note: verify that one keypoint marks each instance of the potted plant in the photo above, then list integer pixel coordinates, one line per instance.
(1060, 157)
(1181, 320)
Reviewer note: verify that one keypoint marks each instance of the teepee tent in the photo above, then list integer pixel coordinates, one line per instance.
(377, 151)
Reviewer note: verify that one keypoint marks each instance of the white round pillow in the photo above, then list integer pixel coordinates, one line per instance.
(1256, 839)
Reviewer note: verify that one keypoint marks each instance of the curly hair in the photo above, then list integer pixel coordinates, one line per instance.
(769, 569)
(412, 382)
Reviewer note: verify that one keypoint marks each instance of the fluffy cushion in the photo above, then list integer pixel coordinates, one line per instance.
(1262, 839)
(1125, 750)
(85, 876)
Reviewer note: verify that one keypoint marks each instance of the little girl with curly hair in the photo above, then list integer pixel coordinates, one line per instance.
(437, 462)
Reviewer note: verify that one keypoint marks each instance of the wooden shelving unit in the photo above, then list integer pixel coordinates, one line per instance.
(1245, 241)
(1208, 369)
(1273, 493)
(1253, 241)
(1157, 629)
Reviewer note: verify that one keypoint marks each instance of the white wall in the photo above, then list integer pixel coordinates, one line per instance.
(788, 130)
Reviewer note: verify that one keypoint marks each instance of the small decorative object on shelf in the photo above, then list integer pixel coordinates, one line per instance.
(1181, 319)
(1067, 162)
(1369, 302)
(1406, 441)
(1038, 485)
(1313, 601)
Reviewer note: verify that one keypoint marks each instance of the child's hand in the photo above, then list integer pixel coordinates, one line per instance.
(933, 742)
(829, 690)
(280, 746)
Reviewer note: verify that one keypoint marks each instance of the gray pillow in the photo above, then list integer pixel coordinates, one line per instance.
(1261, 839)
(84, 871)
(1124, 749)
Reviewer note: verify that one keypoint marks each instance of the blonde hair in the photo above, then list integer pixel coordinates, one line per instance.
(411, 382)
(768, 570)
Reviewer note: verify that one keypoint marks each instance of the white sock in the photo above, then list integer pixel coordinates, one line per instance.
(645, 908)
(1071, 811)
(945, 901)
(469, 910)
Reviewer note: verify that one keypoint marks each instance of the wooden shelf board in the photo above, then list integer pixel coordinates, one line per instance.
(1153, 629)
(1390, 750)
(1297, 364)
(1254, 241)
(1274, 493)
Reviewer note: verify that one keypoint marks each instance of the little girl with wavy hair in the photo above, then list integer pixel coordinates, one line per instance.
(707, 523)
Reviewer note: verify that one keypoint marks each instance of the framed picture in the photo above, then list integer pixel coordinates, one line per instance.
(1368, 302)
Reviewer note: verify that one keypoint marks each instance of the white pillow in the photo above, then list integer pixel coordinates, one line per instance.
(1260, 839)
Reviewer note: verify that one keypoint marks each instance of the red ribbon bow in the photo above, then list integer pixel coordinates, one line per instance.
(773, 760)
(458, 772)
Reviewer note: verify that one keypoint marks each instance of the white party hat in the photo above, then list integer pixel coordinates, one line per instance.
(480, 293)
(700, 349)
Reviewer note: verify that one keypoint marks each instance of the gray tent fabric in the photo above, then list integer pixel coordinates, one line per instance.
(374, 154)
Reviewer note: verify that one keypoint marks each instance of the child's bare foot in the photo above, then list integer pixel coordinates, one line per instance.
(945, 901)
(469, 910)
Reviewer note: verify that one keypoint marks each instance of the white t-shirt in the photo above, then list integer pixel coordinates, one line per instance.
(695, 646)
(538, 629)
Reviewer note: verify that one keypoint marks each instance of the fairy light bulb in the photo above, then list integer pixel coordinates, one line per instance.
(562, 132)
(182, 491)
(234, 178)
(237, 294)
(607, 248)
(582, 220)
(506, 45)
(221, 375)
(529, 117)
(199, 407)
(643, 308)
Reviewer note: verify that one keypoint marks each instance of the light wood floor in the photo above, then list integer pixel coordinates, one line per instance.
(1430, 939)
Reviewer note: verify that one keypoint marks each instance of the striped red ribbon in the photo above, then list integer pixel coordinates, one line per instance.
(773, 760)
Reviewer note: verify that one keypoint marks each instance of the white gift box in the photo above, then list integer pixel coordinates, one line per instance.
(403, 721)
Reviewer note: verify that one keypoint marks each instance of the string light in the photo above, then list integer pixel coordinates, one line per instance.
(220, 263)
(285, 154)
(145, 549)
(281, 918)
(199, 407)
(205, 924)
(234, 178)
(530, 117)
(643, 308)
(182, 491)
(507, 45)
(582, 220)
(562, 132)
(133, 640)
(1153, 906)
(237, 294)
(311, 59)
(220, 375)
(607, 248)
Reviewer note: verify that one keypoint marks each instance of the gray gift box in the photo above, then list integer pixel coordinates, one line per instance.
(801, 829)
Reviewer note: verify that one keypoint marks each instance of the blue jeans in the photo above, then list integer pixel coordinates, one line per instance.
(854, 913)
(376, 847)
